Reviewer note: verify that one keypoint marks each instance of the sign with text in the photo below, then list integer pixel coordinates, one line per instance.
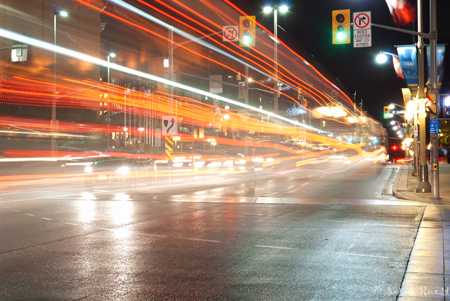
(362, 29)
(434, 126)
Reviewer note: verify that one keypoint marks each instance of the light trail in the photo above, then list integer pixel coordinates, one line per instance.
(81, 56)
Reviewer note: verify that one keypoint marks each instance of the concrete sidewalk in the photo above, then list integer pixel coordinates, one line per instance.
(405, 184)
(428, 274)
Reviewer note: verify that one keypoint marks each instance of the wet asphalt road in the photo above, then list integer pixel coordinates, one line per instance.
(66, 244)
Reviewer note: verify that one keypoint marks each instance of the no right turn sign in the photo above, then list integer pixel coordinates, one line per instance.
(362, 29)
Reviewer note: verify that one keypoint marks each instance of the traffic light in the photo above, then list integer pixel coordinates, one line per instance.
(247, 31)
(386, 112)
(341, 26)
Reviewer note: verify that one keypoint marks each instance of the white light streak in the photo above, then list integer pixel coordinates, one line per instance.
(84, 57)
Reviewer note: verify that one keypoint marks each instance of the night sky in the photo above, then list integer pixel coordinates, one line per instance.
(309, 22)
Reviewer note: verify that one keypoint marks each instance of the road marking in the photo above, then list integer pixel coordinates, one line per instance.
(322, 176)
(16, 210)
(156, 202)
(304, 184)
(72, 224)
(362, 255)
(46, 218)
(29, 214)
(252, 214)
(206, 240)
(396, 226)
(325, 220)
(274, 247)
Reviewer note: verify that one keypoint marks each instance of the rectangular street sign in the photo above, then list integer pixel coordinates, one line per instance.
(398, 112)
(362, 29)
(362, 38)
(434, 126)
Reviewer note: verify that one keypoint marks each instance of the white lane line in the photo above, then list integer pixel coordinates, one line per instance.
(206, 240)
(396, 226)
(326, 220)
(16, 210)
(45, 197)
(29, 214)
(304, 184)
(72, 224)
(257, 214)
(363, 255)
(46, 218)
(274, 247)
(156, 202)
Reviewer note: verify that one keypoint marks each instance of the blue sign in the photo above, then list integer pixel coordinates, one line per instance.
(399, 112)
(407, 55)
(434, 126)
(440, 63)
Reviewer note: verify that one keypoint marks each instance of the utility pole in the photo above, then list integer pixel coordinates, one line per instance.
(422, 184)
(434, 154)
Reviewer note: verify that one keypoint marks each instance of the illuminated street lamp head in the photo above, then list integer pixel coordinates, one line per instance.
(393, 122)
(412, 106)
(63, 13)
(267, 9)
(112, 54)
(381, 58)
(447, 101)
(391, 106)
(283, 8)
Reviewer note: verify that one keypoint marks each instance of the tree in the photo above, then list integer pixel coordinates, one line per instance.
(444, 127)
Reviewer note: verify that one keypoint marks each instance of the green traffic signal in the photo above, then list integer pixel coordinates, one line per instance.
(341, 26)
(341, 36)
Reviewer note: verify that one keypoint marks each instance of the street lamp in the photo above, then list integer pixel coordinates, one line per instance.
(382, 57)
(62, 13)
(108, 116)
(282, 9)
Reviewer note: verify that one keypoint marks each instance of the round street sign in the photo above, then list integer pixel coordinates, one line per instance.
(230, 34)
(362, 20)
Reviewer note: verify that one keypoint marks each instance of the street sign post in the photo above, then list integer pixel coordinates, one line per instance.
(362, 29)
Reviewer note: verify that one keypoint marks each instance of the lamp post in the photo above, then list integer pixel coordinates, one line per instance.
(108, 116)
(282, 9)
(61, 13)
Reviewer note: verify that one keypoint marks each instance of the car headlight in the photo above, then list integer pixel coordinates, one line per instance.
(88, 169)
(257, 160)
(123, 170)
(269, 160)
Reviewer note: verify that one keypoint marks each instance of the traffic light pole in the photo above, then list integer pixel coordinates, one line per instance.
(433, 85)
(422, 184)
